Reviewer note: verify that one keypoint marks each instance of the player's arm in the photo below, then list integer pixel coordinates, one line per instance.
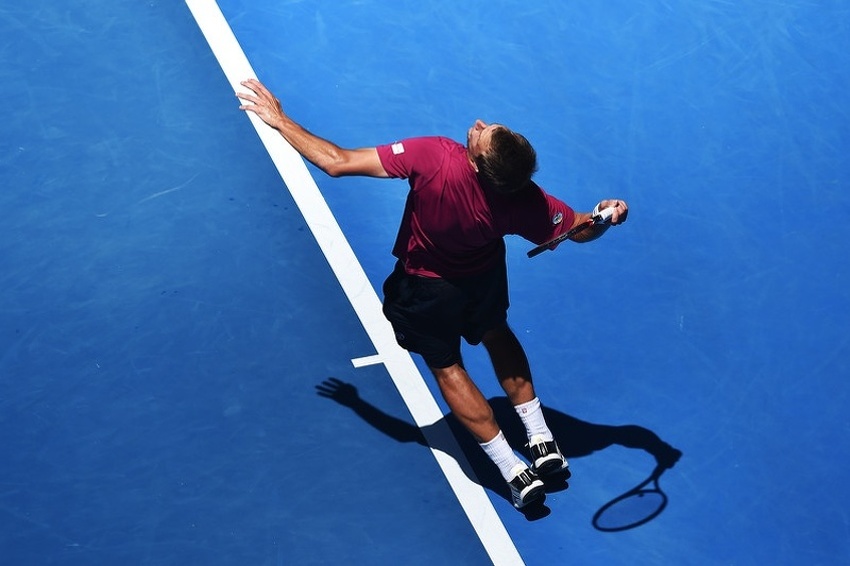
(621, 211)
(326, 155)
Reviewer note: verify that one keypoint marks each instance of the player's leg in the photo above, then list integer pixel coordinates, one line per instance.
(510, 364)
(474, 412)
(485, 320)
(466, 402)
(427, 315)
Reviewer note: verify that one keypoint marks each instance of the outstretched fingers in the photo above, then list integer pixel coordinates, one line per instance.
(255, 86)
(260, 101)
(247, 98)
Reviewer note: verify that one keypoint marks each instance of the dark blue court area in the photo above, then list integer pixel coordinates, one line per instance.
(181, 374)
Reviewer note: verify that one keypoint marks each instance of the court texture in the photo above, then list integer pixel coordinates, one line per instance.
(194, 368)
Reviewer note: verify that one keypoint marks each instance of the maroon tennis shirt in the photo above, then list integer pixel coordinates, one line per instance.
(452, 226)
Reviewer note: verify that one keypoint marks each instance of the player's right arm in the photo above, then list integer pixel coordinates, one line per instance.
(326, 155)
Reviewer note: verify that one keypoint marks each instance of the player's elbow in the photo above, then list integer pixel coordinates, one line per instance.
(337, 165)
(333, 171)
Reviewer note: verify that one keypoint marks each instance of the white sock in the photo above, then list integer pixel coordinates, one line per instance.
(502, 455)
(531, 414)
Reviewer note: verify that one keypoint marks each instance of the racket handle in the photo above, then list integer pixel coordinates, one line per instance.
(603, 216)
(596, 217)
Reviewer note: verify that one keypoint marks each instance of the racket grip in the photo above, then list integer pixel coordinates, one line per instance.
(603, 215)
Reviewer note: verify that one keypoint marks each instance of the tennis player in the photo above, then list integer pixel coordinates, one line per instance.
(450, 280)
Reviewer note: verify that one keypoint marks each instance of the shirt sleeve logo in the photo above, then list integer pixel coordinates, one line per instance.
(558, 218)
(398, 148)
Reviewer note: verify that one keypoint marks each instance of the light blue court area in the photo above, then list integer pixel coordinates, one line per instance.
(176, 375)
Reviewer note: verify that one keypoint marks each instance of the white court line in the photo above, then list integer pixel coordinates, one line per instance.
(367, 361)
(360, 293)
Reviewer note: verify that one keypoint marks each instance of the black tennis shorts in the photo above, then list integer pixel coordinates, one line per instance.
(430, 315)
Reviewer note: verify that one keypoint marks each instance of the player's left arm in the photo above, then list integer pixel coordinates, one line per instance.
(621, 211)
(326, 155)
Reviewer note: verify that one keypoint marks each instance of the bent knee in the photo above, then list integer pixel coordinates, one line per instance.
(496, 335)
(454, 371)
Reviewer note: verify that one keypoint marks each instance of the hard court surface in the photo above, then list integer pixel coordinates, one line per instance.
(167, 312)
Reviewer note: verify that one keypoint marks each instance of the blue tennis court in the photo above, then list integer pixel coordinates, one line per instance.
(189, 368)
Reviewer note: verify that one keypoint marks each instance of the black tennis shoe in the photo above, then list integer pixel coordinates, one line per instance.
(546, 457)
(525, 486)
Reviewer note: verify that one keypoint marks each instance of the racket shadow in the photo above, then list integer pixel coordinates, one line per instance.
(634, 508)
(575, 437)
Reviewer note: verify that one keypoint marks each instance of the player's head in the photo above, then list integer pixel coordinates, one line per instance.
(504, 159)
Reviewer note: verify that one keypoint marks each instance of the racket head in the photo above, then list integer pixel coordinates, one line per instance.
(631, 509)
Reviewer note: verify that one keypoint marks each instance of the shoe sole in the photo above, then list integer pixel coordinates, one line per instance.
(536, 494)
(551, 466)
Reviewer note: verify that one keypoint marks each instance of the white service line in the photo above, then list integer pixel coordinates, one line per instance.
(404, 373)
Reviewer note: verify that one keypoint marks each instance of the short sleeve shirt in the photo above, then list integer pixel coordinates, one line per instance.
(452, 226)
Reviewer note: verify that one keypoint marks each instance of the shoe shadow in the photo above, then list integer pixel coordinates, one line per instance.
(576, 438)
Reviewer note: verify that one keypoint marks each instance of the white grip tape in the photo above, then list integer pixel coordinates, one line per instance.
(604, 215)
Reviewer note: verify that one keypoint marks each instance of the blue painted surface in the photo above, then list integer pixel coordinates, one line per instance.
(166, 314)
(166, 317)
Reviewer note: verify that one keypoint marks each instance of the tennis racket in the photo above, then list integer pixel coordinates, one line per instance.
(601, 218)
(635, 507)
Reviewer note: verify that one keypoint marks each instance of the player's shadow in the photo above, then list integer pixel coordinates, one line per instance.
(575, 437)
